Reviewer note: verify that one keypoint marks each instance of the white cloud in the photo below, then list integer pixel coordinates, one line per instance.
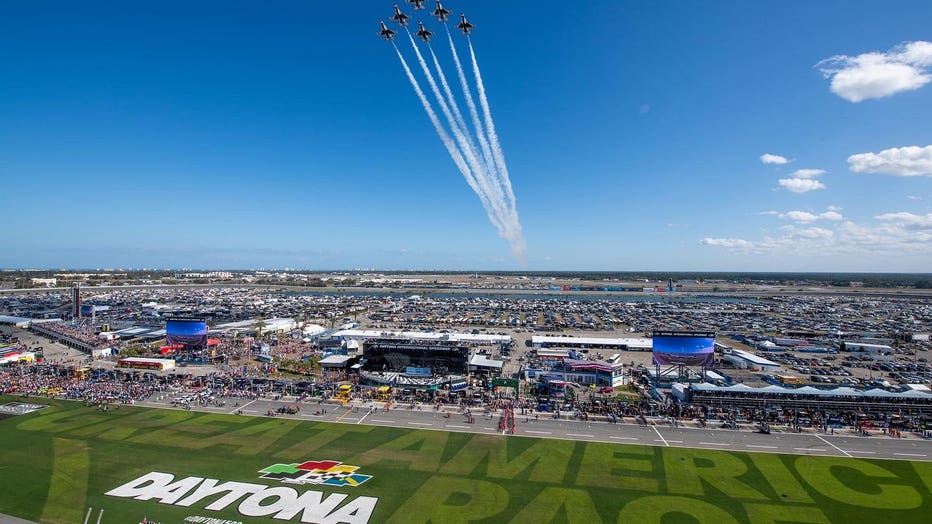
(814, 233)
(805, 217)
(807, 173)
(897, 161)
(907, 219)
(800, 216)
(918, 53)
(876, 75)
(894, 234)
(767, 158)
(800, 185)
(729, 243)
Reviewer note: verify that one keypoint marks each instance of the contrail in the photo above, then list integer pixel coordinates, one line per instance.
(485, 165)
(450, 99)
(490, 126)
(473, 112)
(515, 236)
(448, 142)
(478, 173)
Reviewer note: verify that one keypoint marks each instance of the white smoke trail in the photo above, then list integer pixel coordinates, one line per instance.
(492, 192)
(448, 143)
(490, 127)
(451, 101)
(513, 226)
(486, 167)
(473, 112)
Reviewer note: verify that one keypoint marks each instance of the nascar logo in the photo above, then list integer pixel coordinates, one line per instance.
(326, 472)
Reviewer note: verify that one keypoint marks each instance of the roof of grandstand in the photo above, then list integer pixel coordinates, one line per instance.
(424, 335)
(635, 342)
(811, 391)
(400, 379)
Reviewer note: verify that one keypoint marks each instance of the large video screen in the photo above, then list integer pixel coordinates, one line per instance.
(683, 348)
(190, 332)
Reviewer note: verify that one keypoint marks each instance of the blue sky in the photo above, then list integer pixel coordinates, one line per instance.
(239, 135)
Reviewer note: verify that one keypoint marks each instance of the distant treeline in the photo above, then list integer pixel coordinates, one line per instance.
(874, 280)
(885, 280)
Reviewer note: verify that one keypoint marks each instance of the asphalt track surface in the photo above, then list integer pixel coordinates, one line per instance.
(877, 446)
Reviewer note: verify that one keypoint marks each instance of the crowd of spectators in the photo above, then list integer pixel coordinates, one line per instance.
(86, 336)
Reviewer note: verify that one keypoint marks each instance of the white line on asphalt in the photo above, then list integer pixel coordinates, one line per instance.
(675, 441)
(661, 437)
(243, 407)
(761, 447)
(363, 417)
(808, 449)
(419, 424)
(490, 429)
(625, 438)
(714, 444)
(833, 445)
(383, 421)
(457, 427)
(909, 454)
(863, 452)
(539, 432)
(579, 435)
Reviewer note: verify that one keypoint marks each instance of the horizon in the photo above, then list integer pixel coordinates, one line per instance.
(514, 272)
(701, 137)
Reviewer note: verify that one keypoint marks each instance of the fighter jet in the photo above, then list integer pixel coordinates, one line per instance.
(464, 26)
(400, 17)
(440, 12)
(424, 34)
(386, 32)
(418, 4)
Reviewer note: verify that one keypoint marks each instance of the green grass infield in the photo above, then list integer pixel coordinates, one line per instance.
(183, 466)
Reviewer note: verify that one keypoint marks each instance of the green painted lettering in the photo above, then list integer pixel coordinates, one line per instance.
(834, 477)
(547, 459)
(421, 450)
(452, 501)
(577, 503)
(626, 467)
(774, 513)
(685, 470)
(654, 510)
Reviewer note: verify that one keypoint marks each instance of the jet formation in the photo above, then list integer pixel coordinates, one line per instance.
(475, 148)
(440, 12)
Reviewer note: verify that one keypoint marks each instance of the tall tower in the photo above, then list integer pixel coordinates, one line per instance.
(76, 302)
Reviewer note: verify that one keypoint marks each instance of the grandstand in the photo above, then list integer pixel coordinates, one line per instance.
(415, 363)
(616, 344)
(469, 338)
(843, 398)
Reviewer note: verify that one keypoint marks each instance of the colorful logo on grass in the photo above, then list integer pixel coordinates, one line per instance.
(326, 472)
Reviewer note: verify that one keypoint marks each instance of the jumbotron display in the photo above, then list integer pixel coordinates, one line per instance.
(188, 331)
(683, 348)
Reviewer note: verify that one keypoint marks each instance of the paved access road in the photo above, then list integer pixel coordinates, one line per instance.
(876, 446)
